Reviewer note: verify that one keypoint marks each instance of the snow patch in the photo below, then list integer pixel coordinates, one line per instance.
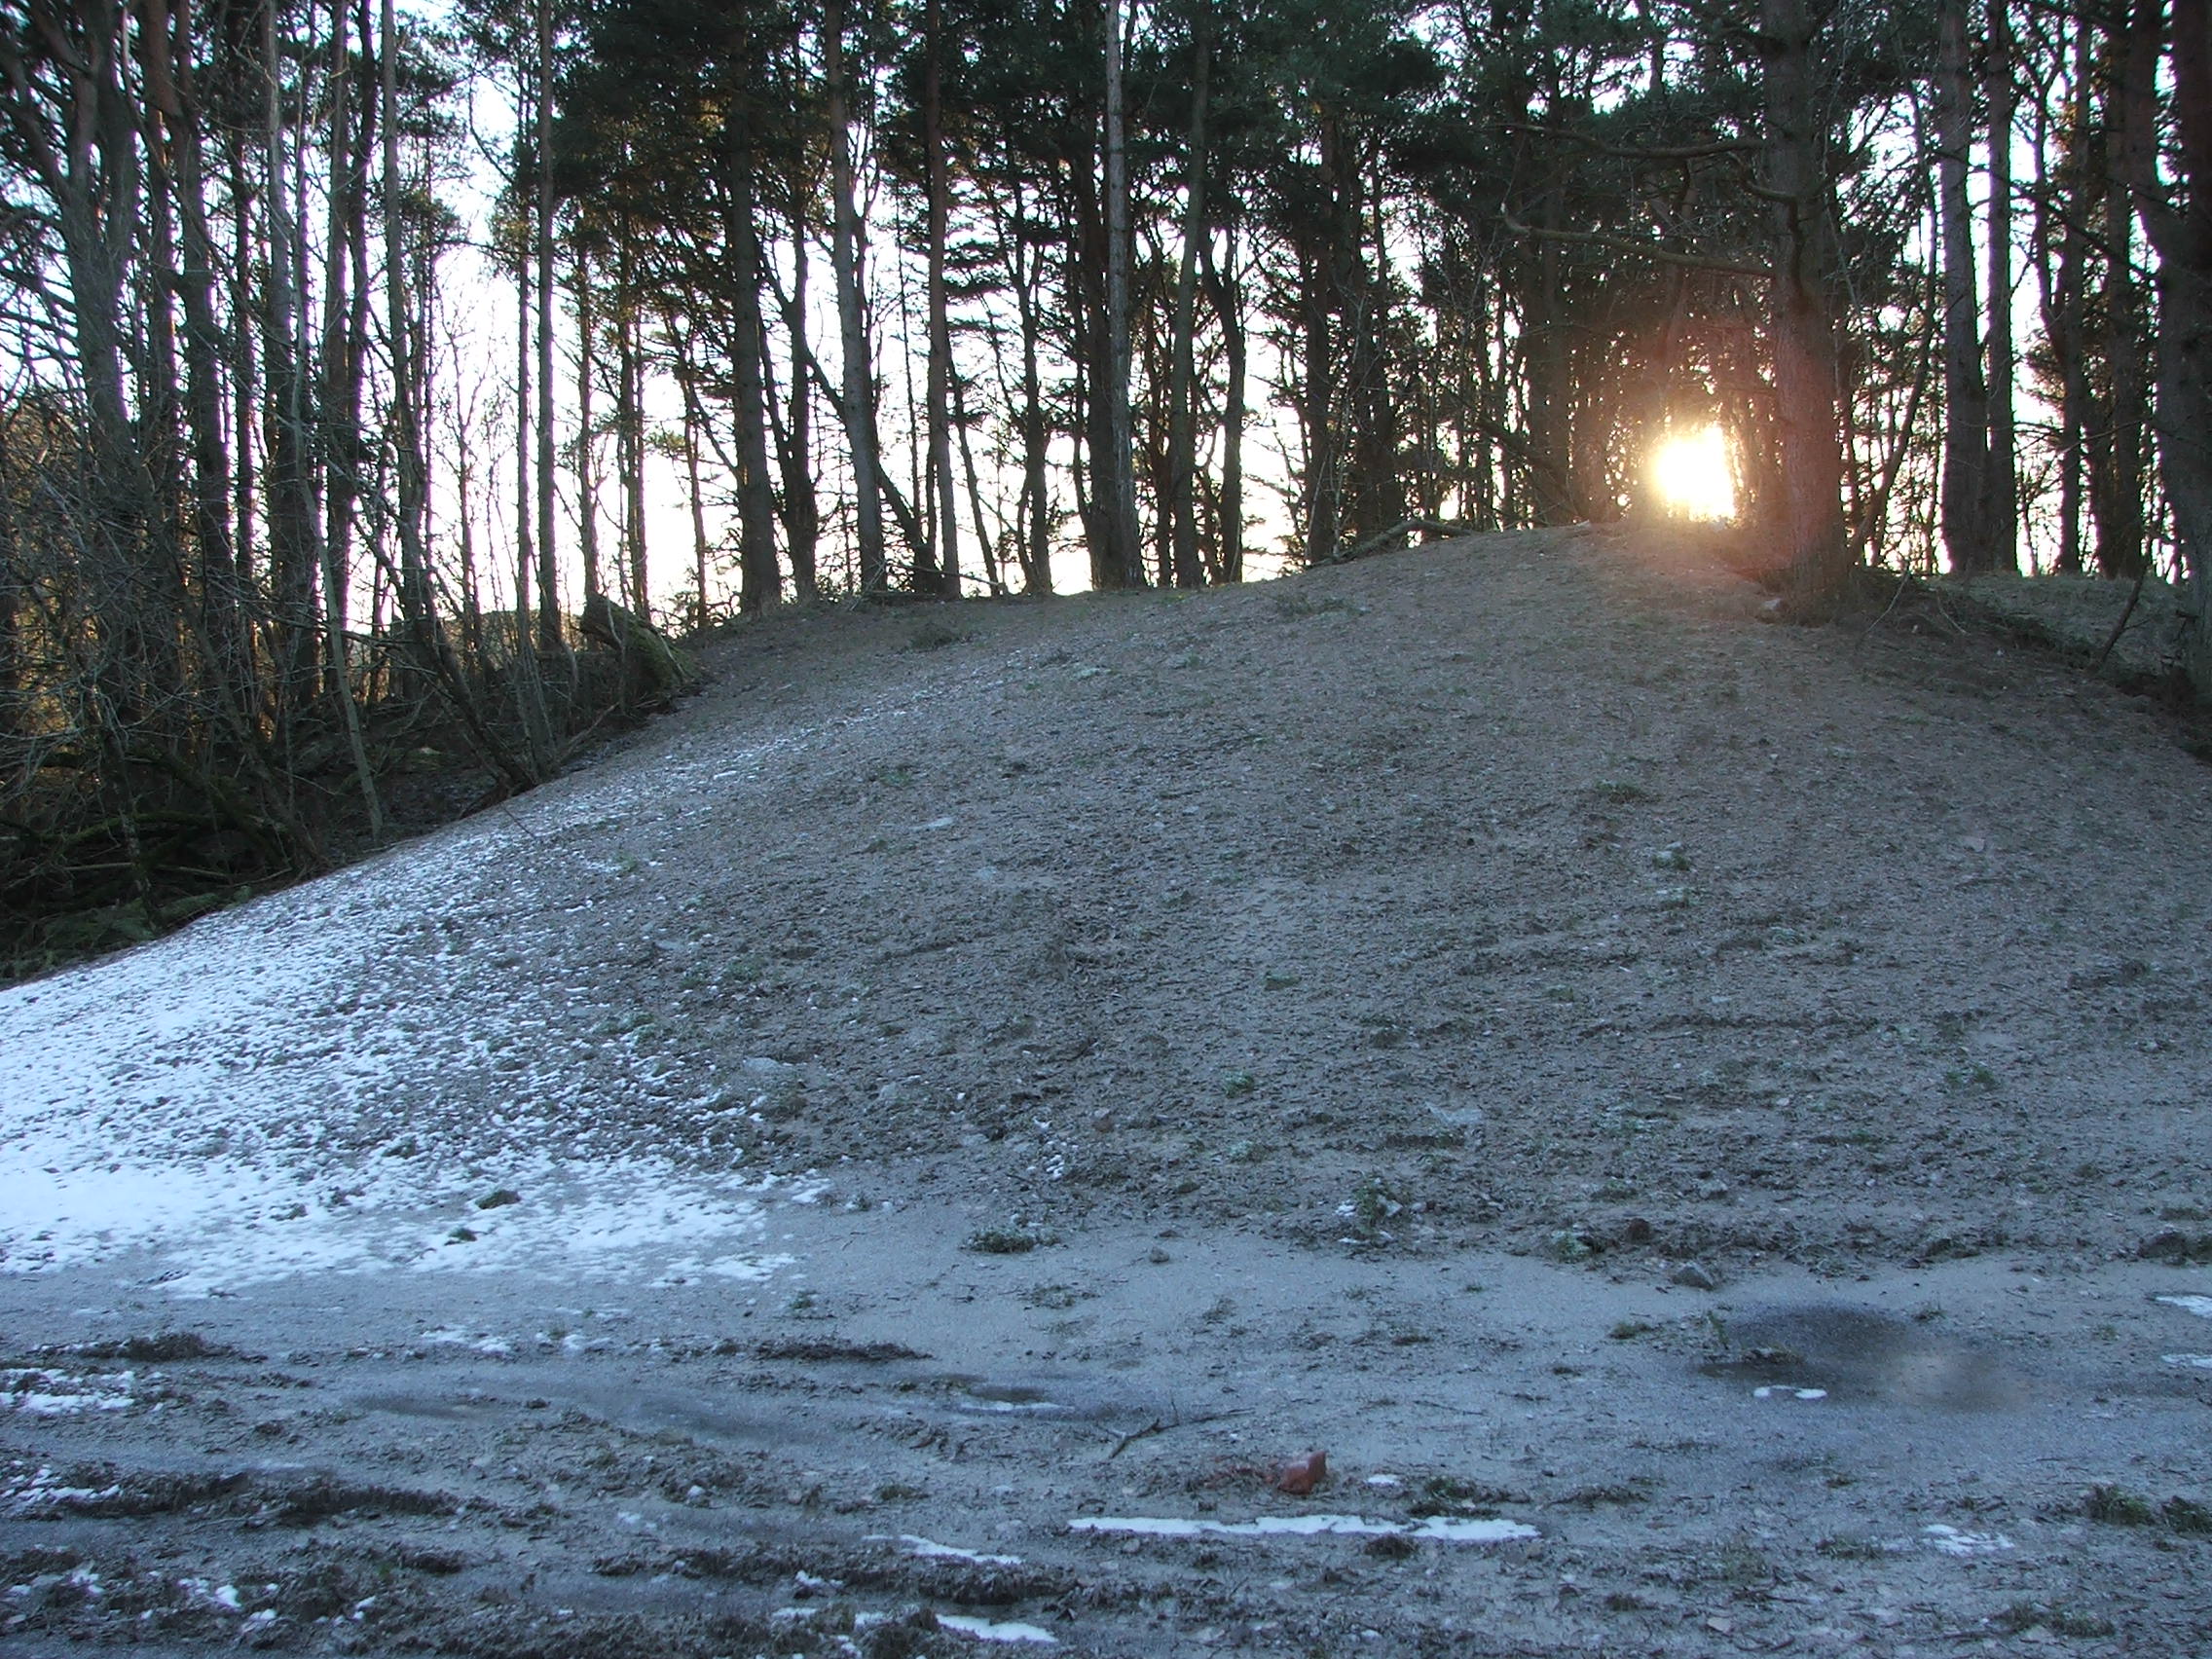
(1447, 1528)
(54, 1393)
(986, 1630)
(2201, 1306)
(1953, 1542)
(40, 1494)
(2194, 1361)
(930, 1550)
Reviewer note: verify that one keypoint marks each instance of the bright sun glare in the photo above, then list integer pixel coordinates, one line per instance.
(1693, 477)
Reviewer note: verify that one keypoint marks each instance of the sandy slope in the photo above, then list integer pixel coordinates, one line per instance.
(1517, 913)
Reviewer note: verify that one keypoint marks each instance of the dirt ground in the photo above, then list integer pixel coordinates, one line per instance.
(1698, 1120)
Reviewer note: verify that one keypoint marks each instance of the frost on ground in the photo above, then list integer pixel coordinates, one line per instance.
(361, 1075)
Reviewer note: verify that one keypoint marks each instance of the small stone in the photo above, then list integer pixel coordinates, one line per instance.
(498, 1198)
(1694, 1275)
(1159, 1256)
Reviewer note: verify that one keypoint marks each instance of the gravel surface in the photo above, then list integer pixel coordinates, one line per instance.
(1697, 1121)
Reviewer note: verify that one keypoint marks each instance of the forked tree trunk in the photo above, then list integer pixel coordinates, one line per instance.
(2180, 228)
(857, 402)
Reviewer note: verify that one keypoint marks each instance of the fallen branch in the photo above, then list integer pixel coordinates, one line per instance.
(2120, 627)
(1434, 529)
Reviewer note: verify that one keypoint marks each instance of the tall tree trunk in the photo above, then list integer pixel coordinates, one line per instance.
(2062, 209)
(1378, 489)
(686, 379)
(1122, 566)
(937, 398)
(340, 425)
(1228, 294)
(802, 512)
(247, 384)
(857, 403)
(587, 437)
(2116, 486)
(1966, 395)
(529, 568)
(550, 635)
(1321, 483)
(759, 581)
(1810, 486)
(630, 414)
(1182, 417)
(290, 508)
(1084, 241)
(1024, 269)
(169, 75)
(1544, 369)
(408, 466)
(2002, 515)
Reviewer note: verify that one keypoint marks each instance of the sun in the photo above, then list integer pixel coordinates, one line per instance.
(1692, 476)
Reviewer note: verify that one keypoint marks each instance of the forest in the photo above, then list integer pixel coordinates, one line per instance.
(384, 391)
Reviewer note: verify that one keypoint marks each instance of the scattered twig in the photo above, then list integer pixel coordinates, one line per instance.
(1161, 1426)
(1904, 580)
(1158, 1425)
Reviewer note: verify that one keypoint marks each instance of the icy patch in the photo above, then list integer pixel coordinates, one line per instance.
(476, 1342)
(930, 1550)
(1444, 1528)
(2200, 1305)
(1777, 1390)
(2195, 1361)
(1953, 1542)
(985, 1630)
(53, 1393)
(225, 1222)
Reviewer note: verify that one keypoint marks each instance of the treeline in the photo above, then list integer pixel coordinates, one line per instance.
(309, 466)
